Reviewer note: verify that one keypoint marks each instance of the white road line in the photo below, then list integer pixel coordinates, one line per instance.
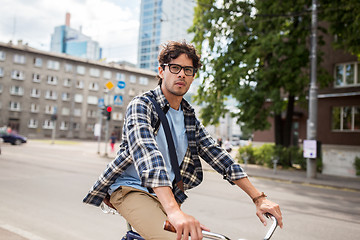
(21, 232)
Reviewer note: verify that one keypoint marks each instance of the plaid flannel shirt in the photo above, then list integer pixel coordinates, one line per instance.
(138, 146)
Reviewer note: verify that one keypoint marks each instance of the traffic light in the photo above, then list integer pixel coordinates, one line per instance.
(108, 112)
(104, 111)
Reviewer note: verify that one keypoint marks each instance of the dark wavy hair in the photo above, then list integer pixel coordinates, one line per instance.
(172, 50)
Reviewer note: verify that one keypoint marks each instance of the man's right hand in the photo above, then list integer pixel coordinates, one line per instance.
(184, 224)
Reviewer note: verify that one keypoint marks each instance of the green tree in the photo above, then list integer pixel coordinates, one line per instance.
(256, 52)
(344, 19)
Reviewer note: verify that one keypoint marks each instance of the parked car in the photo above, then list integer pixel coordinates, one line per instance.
(13, 138)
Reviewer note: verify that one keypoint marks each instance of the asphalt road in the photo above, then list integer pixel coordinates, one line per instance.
(42, 187)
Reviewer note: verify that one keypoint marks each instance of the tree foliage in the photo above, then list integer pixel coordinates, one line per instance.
(344, 19)
(258, 53)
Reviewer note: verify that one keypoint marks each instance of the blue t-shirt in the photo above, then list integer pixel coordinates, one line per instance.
(175, 118)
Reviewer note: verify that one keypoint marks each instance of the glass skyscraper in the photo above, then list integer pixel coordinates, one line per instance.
(73, 42)
(162, 21)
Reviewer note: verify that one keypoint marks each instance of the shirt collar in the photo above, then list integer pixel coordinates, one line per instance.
(165, 105)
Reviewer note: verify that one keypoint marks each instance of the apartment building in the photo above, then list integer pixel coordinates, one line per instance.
(37, 85)
(338, 124)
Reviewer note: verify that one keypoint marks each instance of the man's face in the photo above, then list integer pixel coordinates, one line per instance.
(176, 83)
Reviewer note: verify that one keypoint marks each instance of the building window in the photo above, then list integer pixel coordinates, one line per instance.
(80, 70)
(78, 98)
(37, 62)
(94, 72)
(35, 93)
(92, 113)
(90, 127)
(67, 82)
(33, 123)
(347, 75)
(14, 106)
(143, 81)
(120, 77)
(65, 96)
(92, 100)
(94, 86)
(54, 65)
(34, 108)
(65, 111)
(52, 95)
(64, 125)
(19, 59)
(68, 67)
(77, 112)
(76, 126)
(117, 116)
(346, 118)
(17, 75)
(132, 92)
(16, 90)
(132, 78)
(80, 84)
(49, 109)
(36, 77)
(1, 72)
(2, 56)
(52, 80)
(48, 124)
(107, 74)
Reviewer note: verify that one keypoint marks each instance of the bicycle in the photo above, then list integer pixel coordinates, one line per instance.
(132, 235)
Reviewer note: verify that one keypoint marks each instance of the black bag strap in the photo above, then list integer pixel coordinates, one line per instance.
(170, 142)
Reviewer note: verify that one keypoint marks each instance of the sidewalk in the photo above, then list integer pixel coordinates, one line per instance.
(298, 176)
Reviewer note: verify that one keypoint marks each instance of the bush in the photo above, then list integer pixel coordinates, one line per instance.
(246, 151)
(357, 165)
(264, 155)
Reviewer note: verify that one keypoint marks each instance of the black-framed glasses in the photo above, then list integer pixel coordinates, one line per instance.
(176, 68)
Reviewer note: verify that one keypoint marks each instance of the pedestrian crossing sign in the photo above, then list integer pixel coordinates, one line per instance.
(118, 100)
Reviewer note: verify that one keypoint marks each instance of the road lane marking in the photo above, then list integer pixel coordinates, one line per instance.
(21, 232)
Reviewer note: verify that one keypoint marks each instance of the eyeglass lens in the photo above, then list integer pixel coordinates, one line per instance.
(175, 68)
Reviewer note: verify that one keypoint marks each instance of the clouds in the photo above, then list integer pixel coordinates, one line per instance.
(113, 23)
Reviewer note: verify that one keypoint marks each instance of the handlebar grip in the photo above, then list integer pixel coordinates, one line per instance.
(169, 227)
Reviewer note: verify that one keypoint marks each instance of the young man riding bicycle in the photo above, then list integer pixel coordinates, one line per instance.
(141, 180)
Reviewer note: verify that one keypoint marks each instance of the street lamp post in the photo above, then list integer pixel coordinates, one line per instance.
(312, 120)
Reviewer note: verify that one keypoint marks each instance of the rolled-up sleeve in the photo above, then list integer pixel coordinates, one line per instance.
(147, 158)
(218, 158)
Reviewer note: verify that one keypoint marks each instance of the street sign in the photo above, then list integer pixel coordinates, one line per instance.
(118, 100)
(309, 149)
(97, 129)
(121, 84)
(101, 102)
(109, 85)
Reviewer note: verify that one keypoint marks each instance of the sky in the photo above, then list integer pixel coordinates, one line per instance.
(113, 23)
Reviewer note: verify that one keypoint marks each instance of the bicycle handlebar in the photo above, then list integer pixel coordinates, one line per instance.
(210, 235)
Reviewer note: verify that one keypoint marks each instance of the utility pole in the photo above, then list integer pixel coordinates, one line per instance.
(53, 119)
(312, 120)
(99, 137)
(106, 99)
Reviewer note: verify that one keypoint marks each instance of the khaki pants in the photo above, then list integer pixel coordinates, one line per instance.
(143, 211)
